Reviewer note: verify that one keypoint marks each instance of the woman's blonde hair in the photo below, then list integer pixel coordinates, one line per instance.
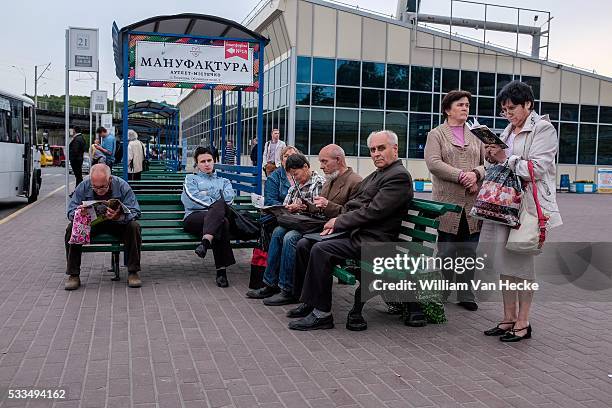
(287, 148)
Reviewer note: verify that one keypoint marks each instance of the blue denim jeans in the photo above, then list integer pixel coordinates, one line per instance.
(281, 258)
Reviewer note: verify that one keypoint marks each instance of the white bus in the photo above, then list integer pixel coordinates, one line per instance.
(20, 174)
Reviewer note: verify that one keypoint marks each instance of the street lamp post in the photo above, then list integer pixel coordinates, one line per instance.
(25, 78)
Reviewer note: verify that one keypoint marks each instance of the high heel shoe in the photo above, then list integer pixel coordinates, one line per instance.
(511, 336)
(497, 331)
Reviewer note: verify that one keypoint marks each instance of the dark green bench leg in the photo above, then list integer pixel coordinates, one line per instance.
(413, 315)
(355, 320)
(115, 268)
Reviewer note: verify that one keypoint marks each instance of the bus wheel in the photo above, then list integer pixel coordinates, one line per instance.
(35, 190)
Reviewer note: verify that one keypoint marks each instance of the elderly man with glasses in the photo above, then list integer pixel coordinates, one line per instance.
(101, 185)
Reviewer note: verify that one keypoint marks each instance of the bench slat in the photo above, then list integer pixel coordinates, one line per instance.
(344, 275)
(161, 216)
(160, 223)
(420, 235)
(420, 220)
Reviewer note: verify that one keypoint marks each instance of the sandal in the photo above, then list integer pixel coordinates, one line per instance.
(497, 331)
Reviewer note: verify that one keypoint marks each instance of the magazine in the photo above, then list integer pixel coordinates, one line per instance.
(258, 202)
(97, 209)
(317, 237)
(485, 134)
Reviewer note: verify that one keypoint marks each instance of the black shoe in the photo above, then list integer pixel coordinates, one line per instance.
(497, 331)
(281, 298)
(302, 310)
(471, 306)
(394, 308)
(221, 281)
(202, 248)
(312, 322)
(262, 293)
(511, 335)
(356, 322)
(416, 319)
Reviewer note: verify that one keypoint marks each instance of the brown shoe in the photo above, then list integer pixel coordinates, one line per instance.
(73, 282)
(134, 280)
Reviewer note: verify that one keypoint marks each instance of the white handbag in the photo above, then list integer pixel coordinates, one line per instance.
(529, 237)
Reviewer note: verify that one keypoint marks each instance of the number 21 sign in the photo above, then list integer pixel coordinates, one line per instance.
(83, 47)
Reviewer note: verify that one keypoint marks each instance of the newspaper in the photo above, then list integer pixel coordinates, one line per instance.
(97, 209)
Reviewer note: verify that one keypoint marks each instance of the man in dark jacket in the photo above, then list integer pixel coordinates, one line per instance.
(76, 149)
(254, 152)
(373, 214)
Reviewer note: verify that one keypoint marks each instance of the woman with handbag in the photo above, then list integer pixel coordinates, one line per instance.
(276, 189)
(278, 276)
(136, 156)
(206, 197)
(455, 158)
(532, 145)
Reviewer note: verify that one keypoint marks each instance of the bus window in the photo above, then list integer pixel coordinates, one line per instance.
(27, 116)
(17, 118)
(5, 125)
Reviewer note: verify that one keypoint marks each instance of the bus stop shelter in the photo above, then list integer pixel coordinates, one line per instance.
(196, 51)
(163, 124)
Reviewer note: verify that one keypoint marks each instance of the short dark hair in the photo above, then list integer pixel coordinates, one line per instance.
(100, 130)
(296, 161)
(202, 150)
(517, 92)
(451, 97)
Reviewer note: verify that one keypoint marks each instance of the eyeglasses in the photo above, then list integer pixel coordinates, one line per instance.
(100, 188)
(509, 110)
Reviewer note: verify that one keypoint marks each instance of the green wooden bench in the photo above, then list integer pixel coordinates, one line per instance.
(162, 228)
(419, 233)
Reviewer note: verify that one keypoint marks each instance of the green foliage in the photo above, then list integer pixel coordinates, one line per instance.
(56, 103)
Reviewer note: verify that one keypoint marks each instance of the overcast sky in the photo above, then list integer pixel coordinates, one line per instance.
(32, 33)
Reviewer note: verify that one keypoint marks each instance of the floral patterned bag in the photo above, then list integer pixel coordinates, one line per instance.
(81, 227)
(499, 198)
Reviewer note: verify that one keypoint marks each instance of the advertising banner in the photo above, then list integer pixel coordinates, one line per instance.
(228, 64)
(604, 180)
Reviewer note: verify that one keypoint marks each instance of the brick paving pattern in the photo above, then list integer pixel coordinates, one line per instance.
(180, 341)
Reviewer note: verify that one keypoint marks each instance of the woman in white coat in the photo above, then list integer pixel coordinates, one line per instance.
(530, 137)
(136, 155)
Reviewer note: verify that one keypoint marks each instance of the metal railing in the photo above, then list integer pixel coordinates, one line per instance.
(74, 110)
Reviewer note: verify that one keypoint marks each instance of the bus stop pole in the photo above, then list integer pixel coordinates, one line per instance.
(67, 116)
(124, 125)
(260, 117)
(239, 129)
(212, 116)
(223, 130)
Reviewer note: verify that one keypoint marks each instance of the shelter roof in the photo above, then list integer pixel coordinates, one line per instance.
(185, 24)
(158, 108)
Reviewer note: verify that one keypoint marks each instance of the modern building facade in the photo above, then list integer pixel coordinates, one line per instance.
(335, 73)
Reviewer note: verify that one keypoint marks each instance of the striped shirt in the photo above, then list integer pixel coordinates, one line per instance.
(230, 155)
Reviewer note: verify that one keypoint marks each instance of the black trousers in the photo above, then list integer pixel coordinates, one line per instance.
(215, 222)
(460, 245)
(134, 176)
(315, 263)
(77, 169)
(128, 233)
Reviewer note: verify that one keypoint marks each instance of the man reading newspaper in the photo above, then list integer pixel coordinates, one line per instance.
(108, 205)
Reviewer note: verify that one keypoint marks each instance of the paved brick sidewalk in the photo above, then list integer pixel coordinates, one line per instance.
(180, 341)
